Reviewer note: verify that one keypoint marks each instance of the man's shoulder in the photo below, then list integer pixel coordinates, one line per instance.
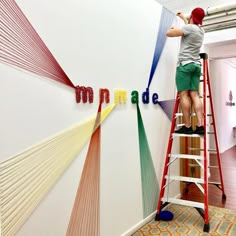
(189, 28)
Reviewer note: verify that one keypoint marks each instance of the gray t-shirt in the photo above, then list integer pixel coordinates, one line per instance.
(190, 45)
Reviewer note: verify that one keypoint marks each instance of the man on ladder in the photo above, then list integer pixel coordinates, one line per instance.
(188, 75)
(188, 71)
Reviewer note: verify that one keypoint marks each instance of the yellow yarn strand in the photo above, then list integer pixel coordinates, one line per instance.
(28, 176)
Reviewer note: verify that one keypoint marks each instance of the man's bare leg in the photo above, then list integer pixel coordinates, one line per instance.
(197, 105)
(185, 104)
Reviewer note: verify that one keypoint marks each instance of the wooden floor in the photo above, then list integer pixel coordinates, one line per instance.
(228, 164)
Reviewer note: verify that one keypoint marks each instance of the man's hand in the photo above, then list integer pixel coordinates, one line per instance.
(181, 16)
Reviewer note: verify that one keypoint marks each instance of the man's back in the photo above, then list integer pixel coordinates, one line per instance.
(191, 43)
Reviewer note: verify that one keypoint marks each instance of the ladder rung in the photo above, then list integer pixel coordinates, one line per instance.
(191, 135)
(183, 202)
(181, 114)
(213, 182)
(178, 114)
(195, 149)
(211, 132)
(216, 167)
(186, 135)
(193, 165)
(186, 156)
(201, 149)
(212, 150)
(185, 179)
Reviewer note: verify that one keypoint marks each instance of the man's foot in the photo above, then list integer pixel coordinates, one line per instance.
(184, 130)
(199, 130)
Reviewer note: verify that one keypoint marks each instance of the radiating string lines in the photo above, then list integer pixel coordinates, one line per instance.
(28, 176)
(168, 107)
(22, 47)
(166, 21)
(150, 186)
(85, 217)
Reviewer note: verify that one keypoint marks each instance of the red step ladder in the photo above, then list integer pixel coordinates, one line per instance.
(201, 160)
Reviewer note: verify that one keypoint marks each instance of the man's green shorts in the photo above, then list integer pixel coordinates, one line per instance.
(188, 77)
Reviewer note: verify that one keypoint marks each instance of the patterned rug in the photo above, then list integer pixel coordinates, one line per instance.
(188, 222)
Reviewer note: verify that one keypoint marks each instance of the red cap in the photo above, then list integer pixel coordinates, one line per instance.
(198, 15)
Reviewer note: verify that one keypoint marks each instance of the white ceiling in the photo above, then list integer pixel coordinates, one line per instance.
(186, 6)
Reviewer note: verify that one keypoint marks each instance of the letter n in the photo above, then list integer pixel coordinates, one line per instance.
(104, 94)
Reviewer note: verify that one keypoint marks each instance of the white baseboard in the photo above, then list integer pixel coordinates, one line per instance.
(136, 227)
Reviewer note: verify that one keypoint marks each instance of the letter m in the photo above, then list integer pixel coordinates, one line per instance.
(84, 93)
(120, 96)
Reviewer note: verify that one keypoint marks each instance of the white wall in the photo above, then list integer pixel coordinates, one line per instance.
(99, 44)
(223, 73)
(220, 47)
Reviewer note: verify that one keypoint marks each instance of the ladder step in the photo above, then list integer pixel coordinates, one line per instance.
(191, 135)
(214, 182)
(195, 149)
(212, 150)
(185, 179)
(211, 132)
(193, 165)
(180, 125)
(181, 114)
(187, 135)
(183, 202)
(201, 149)
(216, 167)
(187, 156)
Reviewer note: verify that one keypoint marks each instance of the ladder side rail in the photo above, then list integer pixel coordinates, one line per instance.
(206, 215)
(165, 171)
(186, 161)
(214, 128)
